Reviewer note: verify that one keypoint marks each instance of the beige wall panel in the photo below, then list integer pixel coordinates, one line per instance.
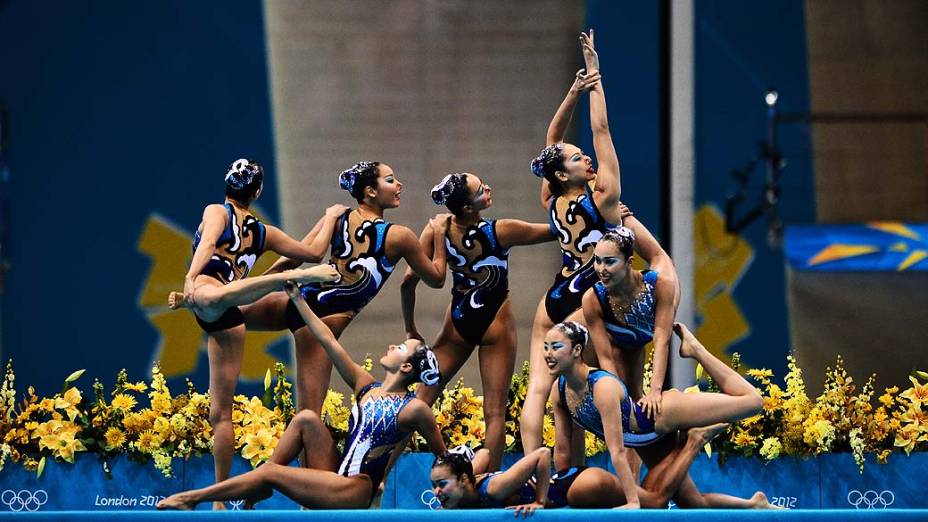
(429, 87)
(869, 56)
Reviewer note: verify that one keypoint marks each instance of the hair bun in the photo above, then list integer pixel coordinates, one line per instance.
(537, 167)
(241, 173)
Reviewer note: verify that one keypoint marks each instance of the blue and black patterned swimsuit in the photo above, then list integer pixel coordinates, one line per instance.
(373, 430)
(480, 269)
(237, 249)
(636, 328)
(358, 252)
(588, 417)
(577, 225)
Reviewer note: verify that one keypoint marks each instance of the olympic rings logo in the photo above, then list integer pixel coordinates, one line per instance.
(429, 499)
(24, 499)
(870, 499)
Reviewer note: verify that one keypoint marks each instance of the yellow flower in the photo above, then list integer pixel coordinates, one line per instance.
(819, 435)
(147, 441)
(115, 438)
(65, 445)
(69, 402)
(883, 456)
(743, 439)
(887, 398)
(771, 448)
(457, 438)
(917, 394)
(907, 438)
(123, 402)
(137, 387)
(258, 447)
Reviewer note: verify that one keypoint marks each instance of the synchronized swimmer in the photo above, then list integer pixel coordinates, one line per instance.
(585, 353)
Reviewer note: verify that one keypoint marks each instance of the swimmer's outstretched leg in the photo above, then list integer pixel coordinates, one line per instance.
(211, 300)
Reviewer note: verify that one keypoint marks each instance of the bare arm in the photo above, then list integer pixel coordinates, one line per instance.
(353, 375)
(410, 282)
(537, 463)
(663, 326)
(557, 129)
(515, 232)
(401, 240)
(214, 221)
(422, 420)
(606, 398)
(563, 431)
(593, 316)
(608, 187)
(315, 243)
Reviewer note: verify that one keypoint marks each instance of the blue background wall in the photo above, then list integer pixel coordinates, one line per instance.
(117, 110)
(741, 49)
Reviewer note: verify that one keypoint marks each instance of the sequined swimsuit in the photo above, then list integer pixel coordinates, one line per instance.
(358, 252)
(557, 490)
(373, 430)
(480, 269)
(237, 249)
(578, 225)
(588, 417)
(636, 328)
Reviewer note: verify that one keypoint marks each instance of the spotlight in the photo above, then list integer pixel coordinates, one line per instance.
(771, 98)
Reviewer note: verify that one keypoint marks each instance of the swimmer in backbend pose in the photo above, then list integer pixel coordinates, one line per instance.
(384, 413)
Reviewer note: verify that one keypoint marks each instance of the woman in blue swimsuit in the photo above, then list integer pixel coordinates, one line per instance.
(384, 414)
(227, 243)
(598, 401)
(582, 204)
(480, 313)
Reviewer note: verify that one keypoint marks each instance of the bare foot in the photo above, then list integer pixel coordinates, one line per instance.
(178, 300)
(705, 434)
(688, 341)
(315, 274)
(219, 506)
(759, 501)
(178, 501)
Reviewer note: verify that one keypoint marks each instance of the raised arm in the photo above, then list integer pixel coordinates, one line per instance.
(401, 241)
(606, 398)
(214, 221)
(312, 248)
(557, 129)
(410, 282)
(593, 316)
(608, 187)
(514, 232)
(536, 463)
(354, 376)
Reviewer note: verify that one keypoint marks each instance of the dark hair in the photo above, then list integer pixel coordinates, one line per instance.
(243, 179)
(548, 163)
(458, 463)
(623, 238)
(576, 332)
(425, 365)
(358, 177)
(451, 191)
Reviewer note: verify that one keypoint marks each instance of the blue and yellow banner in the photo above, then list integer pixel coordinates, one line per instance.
(884, 246)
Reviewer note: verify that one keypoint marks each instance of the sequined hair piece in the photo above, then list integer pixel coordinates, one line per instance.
(548, 161)
(242, 172)
(425, 362)
(576, 332)
(349, 178)
(448, 187)
(624, 239)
